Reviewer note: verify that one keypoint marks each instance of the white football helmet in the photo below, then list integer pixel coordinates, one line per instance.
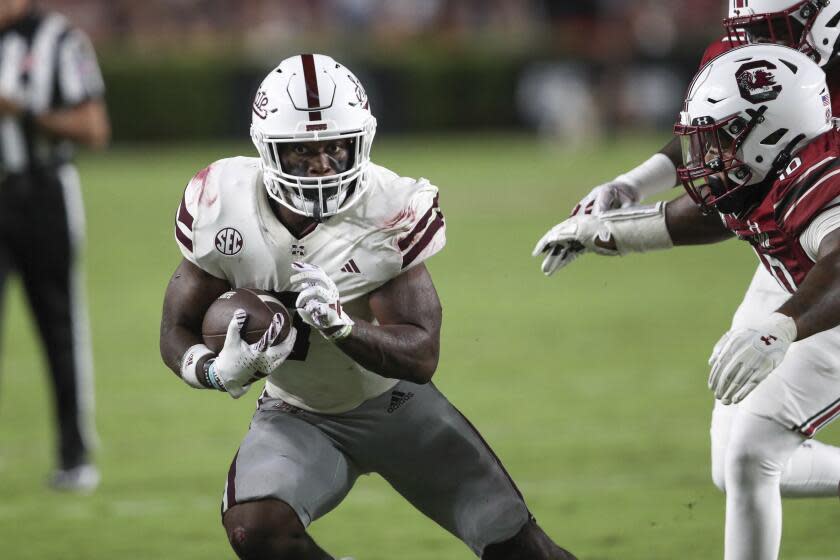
(312, 98)
(746, 113)
(808, 25)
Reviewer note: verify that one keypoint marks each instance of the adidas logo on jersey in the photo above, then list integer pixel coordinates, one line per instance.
(350, 266)
(398, 398)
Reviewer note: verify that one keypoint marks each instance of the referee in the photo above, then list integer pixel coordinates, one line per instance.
(51, 97)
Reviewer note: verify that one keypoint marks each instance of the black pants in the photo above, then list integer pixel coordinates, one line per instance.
(38, 242)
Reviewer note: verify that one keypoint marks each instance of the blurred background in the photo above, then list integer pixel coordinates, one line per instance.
(591, 385)
(573, 70)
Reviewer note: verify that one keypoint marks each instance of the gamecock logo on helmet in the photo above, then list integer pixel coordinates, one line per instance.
(757, 82)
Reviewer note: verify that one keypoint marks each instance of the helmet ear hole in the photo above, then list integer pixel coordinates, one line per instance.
(773, 139)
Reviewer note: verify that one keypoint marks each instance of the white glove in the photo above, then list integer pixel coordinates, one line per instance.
(567, 240)
(319, 303)
(239, 364)
(609, 196)
(742, 358)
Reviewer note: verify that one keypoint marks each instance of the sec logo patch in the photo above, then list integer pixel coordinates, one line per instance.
(228, 241)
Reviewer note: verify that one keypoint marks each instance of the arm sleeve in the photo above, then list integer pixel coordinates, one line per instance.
(79, 76)
(422, 230)
(826, 222)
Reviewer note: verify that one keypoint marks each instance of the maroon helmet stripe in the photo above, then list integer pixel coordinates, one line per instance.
(409, 257)
(183, 239)
(313, 97)
(421, 225)
(184, 215)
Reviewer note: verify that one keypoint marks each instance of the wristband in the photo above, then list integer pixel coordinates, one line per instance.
(638, 229)
(212, 377)
(189, 363)
(656, 175)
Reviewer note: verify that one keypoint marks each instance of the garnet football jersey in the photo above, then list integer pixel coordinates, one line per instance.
(226, 227)
(808, 187)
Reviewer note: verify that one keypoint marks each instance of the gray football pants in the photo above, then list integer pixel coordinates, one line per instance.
(411, 436)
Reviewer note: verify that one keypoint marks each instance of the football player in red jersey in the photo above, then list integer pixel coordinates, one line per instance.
(761, 161)
(812, 26)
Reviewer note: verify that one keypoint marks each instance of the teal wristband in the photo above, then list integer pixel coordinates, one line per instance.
(211, 377)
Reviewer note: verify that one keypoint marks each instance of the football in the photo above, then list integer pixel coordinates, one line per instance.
(260, 306)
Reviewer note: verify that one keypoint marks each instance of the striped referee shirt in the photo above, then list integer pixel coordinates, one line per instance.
(45, 65)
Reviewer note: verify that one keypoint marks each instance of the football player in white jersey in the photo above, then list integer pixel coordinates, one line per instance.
(343, 243)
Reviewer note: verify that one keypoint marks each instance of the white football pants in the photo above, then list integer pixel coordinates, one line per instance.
(761, 449)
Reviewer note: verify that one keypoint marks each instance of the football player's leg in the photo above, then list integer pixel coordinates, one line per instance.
(758, 450)
(286, 474)
(435, 459)
(813, 471)
(530, 542)
(54, 286)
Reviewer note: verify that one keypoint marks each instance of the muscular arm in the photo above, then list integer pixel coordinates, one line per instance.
(188, 295)
(687, 225)
(406, 342)
(815, 307)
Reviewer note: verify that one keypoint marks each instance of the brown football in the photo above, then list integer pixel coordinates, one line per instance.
(260, 306)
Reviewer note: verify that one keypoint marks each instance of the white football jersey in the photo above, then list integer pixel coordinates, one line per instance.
(226, 227)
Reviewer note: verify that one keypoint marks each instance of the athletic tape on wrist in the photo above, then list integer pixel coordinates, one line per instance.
(189, 363)
(638, 229)
(656, 175)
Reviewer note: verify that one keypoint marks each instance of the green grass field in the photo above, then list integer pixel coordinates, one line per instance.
(591, 385)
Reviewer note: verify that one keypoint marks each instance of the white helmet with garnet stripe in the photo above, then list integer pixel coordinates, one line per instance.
(313, 98)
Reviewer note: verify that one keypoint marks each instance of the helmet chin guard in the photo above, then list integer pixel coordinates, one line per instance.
(312, 98)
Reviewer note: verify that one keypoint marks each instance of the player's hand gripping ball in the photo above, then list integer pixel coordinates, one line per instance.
(256, 338)
(259, 306)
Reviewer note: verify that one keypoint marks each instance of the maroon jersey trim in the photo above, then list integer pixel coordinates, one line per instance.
(803, 186)
(183, 239)
(409, 257)
(420, 226)
(829, 172)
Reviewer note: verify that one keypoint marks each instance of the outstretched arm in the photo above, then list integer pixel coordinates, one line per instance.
(629, 230)
(687, 225)
(656, 175)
